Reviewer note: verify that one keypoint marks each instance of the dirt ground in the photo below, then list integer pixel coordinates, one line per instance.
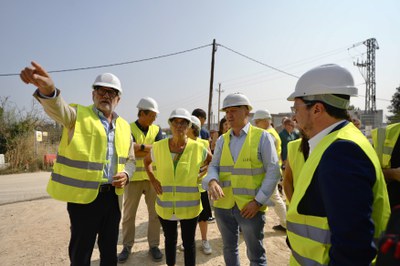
(37, 233)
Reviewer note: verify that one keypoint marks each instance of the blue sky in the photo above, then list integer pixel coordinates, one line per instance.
(293, 36)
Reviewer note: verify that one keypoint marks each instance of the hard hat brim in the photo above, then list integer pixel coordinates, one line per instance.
(248, 107)
(351, 91)
(108, 86)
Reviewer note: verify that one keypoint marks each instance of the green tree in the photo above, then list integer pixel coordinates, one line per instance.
(394, 108)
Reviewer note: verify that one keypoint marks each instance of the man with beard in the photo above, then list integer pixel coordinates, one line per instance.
(94, 162)
(340, 205)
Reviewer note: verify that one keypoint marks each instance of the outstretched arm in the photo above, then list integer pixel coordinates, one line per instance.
(38, 76)
(48, 96)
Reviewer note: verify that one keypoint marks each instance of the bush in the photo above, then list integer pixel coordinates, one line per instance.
(18, 137)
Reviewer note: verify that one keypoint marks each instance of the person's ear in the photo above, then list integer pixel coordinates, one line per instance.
(318, 108)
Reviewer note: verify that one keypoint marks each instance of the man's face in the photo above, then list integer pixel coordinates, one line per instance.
(147, 119)
(202, 120)
(237, 116)
(105, 99)
(302, 115)
(261, 123)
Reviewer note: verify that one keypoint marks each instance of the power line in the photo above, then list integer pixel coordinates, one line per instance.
(292, 65)
(261, 63)
(116, 64)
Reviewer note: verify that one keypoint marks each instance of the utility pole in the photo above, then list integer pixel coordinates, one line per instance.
(219, 98)
(370, 85)
(214, 49)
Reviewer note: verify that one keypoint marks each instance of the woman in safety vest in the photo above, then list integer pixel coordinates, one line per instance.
(205, 215)
(178, 160)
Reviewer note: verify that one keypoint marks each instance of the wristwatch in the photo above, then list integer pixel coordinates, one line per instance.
(258, 204)
(142, 147)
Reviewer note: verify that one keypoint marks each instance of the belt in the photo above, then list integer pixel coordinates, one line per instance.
(106, 188)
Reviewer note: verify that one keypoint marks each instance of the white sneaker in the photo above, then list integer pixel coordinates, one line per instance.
(181, 248)
(205, 246)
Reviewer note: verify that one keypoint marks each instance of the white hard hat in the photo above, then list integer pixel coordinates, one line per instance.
(195, 121)
(262, 114)
(236, 99)
(148, 103)
(108, 80)
(180, 113)
(325, 80)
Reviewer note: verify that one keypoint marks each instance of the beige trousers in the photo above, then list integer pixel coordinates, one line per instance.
(279, 207)
(132, 195)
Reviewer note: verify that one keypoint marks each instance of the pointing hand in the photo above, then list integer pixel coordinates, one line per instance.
(37, 76)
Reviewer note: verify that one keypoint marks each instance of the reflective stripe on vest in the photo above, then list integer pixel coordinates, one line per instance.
(303, 261)
(314, 233)
(309, 235)
(178, 204)
(181, 196)
(226, 183)
(241, 180)
(74, 182)
(79, 164)
(241, 171)
(245, 191)
(78, 170)
(140, 138)
(180, 189)
(122, 160)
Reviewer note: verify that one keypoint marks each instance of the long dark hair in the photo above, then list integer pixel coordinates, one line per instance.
(221, 126)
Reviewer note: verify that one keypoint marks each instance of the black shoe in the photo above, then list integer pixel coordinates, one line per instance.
(279, 228)
(124, 255)
(211, 219)
(156, 254)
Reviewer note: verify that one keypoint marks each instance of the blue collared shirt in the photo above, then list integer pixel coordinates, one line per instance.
(111, 157)
(266, 153)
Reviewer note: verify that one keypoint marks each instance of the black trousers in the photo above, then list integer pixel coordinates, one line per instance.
(99, 218)
(188, 231)
(206, 212)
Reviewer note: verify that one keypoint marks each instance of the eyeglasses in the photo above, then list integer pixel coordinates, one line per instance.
(183, 123)
(103, 91)
(294, 109)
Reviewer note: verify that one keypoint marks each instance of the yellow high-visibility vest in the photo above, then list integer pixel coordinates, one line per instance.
(309, 235)
(241, 180)
(295, 158)
(140, 138)
(180, 194)
(78, 170)
(206, 144)
(278, 144)
(384, 140)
